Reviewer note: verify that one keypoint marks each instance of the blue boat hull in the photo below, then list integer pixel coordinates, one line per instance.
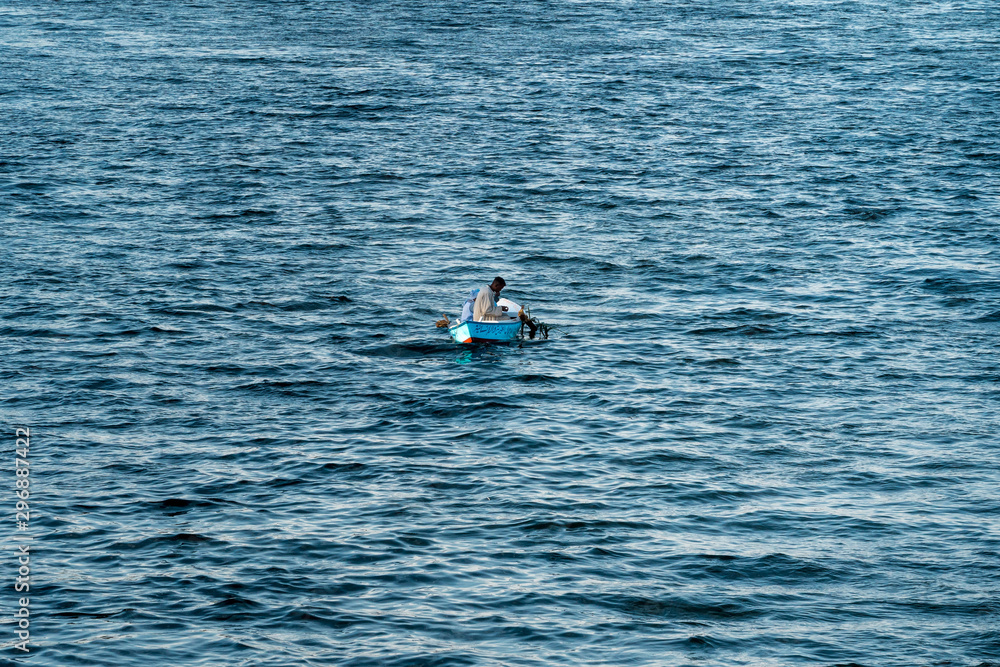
(485, 332)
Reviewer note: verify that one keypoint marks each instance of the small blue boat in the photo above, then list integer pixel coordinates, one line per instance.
(485, 332)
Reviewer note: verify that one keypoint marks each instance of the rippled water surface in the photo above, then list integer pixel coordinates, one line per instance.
(764, 433)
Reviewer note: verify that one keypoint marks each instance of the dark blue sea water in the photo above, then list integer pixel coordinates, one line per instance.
(765, 432)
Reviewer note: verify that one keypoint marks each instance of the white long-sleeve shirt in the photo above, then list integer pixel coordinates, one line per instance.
(486, 308)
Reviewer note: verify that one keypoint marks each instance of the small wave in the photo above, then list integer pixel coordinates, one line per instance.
(989, 317)
(570, 525)
(537, 378)
(188, 265)
(288, 307)
(576, 261)
(743, 330)
(674, 607)
(847, 333)
(193, 309)
(408, 350)
(177, 505)
(176, 539)
(294, 388)
(750, 314)
(870, 213)
(722, 361)
(115, 334)
(355, 469)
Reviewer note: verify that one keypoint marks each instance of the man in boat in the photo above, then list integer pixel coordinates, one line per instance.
(486, 309)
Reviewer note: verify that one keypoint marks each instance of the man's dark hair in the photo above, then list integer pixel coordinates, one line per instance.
(498, 279)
